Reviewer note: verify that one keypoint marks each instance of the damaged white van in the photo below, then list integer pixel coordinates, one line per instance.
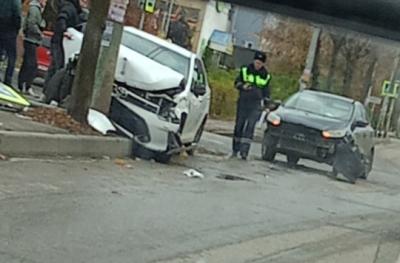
(161, 97)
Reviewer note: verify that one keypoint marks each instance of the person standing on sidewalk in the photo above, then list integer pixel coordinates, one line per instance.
(68, 16)
(33, 38)
(253, 85)
(10, 24)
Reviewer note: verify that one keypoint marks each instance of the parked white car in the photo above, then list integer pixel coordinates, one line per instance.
(161, 98)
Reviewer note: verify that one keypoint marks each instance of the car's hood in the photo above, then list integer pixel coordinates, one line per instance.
(138, 71)
(309, 119)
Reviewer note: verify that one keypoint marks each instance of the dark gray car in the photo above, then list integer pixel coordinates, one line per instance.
(322, 127)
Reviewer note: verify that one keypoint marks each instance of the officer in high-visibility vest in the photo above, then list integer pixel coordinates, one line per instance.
(253, 85)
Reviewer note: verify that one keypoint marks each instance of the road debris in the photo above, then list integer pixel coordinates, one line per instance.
(191, 173)
(3, 157)
(120, 162)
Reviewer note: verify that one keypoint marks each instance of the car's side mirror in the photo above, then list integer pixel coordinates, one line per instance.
(359, 124)
(199, 89)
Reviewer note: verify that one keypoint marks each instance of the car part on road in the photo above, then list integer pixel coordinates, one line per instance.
(193, 174)
(348, 162)
(100, 122)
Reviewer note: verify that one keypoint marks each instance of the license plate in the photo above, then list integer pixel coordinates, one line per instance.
(299, 137)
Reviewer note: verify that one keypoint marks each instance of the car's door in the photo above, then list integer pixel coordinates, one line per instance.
(361, 133)
(369, 131)
(197, 102)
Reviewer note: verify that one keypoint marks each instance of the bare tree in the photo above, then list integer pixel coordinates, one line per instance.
(338, 40)
(370, 72)
(353, 50)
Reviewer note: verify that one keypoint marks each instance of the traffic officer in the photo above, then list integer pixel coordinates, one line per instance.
(253, 85)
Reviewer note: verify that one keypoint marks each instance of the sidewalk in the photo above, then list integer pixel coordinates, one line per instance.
(19, 136)
(226, 128)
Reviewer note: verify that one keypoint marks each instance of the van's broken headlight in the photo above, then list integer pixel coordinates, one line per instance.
(167, 113)
(176, 90)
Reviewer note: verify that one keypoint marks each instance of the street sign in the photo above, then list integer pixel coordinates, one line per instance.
(389, 90)
(375, 100)
(148, 6)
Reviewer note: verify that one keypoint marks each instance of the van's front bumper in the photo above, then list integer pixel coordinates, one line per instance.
(144, 126)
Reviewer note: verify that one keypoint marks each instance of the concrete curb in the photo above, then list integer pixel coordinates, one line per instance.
(20, 144)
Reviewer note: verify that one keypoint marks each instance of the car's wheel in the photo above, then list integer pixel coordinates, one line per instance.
(292, 160)
(268, 151)
(162, 158)
(369, 161)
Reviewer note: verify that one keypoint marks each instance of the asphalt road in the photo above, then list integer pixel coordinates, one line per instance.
(136, 211)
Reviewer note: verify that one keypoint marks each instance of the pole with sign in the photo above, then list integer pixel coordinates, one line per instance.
(107, 62)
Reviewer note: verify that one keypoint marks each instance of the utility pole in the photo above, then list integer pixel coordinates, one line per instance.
(170, 9)
(312, 54)
(107, 63)
(105, 72)
(82, 88)
(384, 110)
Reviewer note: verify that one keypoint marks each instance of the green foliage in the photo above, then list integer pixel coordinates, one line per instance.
(224, 95)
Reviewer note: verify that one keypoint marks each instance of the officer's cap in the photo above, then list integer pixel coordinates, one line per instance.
(261, 56)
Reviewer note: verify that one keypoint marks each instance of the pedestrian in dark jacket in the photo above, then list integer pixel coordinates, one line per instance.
(68, 16)
(180, 33)
(10, 24)
(253, 85)
(32, 39)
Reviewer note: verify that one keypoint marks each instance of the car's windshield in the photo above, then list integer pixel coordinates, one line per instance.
(158, 53)
(322, 105)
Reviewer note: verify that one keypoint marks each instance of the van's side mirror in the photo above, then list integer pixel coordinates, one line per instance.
(199, 89)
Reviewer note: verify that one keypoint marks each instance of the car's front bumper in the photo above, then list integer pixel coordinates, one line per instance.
(303, 143)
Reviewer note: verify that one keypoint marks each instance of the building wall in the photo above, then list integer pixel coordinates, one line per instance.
(213, 20)
(248, 24)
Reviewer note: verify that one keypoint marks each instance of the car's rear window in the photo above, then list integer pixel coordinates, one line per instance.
(330, 107)
(156, 52)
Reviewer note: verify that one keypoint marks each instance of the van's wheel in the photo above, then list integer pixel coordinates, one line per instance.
(292, 160)
(268, 148)
(197, 138)
(162, 158)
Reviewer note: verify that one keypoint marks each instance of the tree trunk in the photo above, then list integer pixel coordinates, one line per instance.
(82, 89)
(348, 78)
(369, 77)
(332, 67)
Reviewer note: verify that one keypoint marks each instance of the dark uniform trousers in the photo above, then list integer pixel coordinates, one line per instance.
(246, 120)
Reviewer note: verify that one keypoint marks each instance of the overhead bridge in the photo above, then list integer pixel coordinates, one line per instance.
(374, 17)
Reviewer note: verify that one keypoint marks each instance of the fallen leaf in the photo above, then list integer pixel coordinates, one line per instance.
(120, 162)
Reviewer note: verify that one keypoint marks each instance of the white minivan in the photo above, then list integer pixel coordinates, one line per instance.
(161, 97)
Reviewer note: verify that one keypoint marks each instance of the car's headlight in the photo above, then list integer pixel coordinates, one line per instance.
(274, 119)
(334, 134)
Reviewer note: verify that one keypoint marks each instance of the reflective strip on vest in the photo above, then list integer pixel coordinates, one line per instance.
(258, 81)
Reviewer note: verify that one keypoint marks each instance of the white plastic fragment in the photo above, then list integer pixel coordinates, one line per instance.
(193, 174)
